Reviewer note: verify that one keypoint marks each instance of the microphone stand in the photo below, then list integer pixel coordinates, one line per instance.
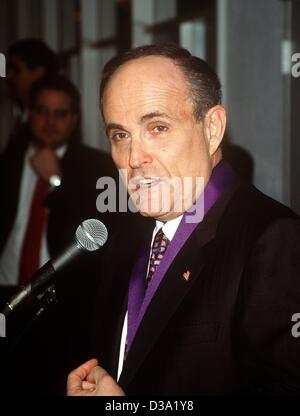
(45, 301)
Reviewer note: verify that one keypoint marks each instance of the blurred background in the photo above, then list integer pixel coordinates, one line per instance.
(250, 44)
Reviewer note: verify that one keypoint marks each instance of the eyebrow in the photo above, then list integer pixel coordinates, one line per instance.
(113, 126)
(146, 117)
(154, 114)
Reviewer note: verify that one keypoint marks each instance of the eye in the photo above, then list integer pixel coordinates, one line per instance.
(160, 129)
(61, 113)
(119, 136)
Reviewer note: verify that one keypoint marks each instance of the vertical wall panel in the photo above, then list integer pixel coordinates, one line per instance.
(50, 23)
(95, 14)
(255, 88)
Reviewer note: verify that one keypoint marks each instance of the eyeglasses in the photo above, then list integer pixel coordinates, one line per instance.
(59, 113)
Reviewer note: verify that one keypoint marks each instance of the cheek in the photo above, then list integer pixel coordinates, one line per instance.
(64, 128)
(171, 157)
(187, 160)
(120, 158)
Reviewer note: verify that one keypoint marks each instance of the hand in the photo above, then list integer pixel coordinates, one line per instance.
(91, 380)
(45, 163)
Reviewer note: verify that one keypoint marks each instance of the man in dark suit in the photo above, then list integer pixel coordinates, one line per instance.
(203, 302)
(28, 60)
(33, 230)
(50, 152)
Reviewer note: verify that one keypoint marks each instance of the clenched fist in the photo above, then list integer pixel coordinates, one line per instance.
(91, 380)
(45, 163)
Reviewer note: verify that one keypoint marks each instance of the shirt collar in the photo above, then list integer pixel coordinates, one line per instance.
(60, 151)
(169, 227)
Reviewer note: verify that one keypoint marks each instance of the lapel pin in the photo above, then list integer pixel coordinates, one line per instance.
(186, 275)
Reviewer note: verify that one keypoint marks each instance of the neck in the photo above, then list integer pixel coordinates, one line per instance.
(217, 157)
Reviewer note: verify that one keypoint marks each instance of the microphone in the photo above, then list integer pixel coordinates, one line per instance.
(90, 235)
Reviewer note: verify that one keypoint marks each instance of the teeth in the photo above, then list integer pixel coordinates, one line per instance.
(146, 181)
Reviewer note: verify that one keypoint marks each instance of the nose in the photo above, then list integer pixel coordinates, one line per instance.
(138, 155)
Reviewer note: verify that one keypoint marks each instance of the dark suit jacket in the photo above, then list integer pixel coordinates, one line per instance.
(227, 330)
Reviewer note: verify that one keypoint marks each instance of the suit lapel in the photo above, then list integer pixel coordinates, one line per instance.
(178, 281)
(112, 301)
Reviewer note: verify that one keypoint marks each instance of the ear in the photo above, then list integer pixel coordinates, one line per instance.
(214, 127)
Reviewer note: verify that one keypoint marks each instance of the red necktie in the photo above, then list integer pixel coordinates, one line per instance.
(31, 249)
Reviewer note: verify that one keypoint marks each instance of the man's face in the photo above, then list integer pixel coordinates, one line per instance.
(51, 119)
(20, 78)
(150, 123)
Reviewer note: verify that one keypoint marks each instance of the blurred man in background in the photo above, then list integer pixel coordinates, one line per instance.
(48, 187)
(28, 60)
(42, 175)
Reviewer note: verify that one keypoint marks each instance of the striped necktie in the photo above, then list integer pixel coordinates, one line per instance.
(159, 247)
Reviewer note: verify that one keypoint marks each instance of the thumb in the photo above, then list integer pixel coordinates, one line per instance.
(75, 378)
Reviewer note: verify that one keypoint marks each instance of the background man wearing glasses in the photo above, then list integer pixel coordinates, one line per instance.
(48, 187)
(42, 177)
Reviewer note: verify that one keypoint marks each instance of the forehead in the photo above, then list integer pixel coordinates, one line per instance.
(146, 84)
(53, 97)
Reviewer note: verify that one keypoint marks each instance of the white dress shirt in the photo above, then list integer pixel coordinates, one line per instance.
(169, 228)
(9, 262)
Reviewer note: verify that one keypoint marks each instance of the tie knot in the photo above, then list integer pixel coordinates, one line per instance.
(160, 239)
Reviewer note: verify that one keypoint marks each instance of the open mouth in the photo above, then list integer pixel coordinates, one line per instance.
(145, 182)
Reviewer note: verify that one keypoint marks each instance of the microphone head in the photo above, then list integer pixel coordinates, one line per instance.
(91, 234)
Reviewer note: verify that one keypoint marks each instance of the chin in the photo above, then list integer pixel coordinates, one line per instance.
(152, 214)
(52, 144)
(160, 216)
